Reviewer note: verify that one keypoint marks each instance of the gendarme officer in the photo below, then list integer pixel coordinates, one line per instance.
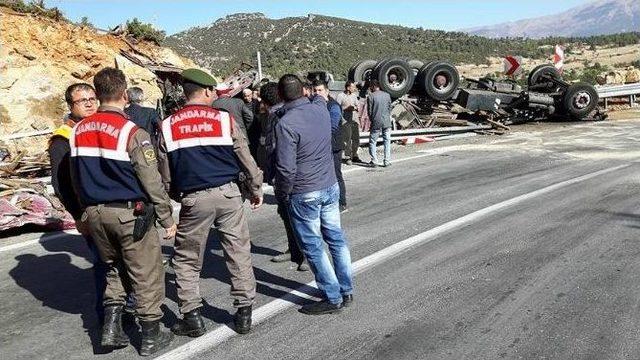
(201, 155)
(115, 174)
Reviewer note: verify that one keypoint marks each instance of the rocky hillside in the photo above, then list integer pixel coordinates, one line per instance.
(322, 42)
(594, 18)
(40, 57)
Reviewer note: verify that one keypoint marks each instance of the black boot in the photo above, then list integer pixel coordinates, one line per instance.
(153, 338)
(192, 325)
(112, 333)
(242, 320)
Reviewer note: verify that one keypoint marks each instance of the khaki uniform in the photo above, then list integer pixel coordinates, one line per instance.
(221, 207)
(111, 226)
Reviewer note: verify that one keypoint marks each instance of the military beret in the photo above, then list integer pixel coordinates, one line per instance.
(199, 77)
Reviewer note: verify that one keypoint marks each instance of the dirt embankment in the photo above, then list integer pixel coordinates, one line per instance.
(40, 57)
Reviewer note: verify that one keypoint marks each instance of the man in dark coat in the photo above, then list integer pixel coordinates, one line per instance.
(145, 117)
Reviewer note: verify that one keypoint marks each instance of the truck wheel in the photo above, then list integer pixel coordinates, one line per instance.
(439, 79)
(395, 77)
(536, 75)
(361, 71)
(580, 100)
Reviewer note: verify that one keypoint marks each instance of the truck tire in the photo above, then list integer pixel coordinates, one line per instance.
(535, 76)
(361, 71)
(580, 100)
(404, 75)
(434, 71)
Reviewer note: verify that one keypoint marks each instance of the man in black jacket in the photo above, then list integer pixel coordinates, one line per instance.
(241, 113)
(145, 117)
(320, 88)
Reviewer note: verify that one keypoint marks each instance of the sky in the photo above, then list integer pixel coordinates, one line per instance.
(175, 16)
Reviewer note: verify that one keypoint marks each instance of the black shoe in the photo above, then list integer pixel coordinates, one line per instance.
(191, 325)
(153, 338)
(373, 165)
(112, 334)
(347, 300)
(321, 308)
(356, 160)
(242, 320)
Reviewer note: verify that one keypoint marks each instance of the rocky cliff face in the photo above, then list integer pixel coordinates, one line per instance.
(40, 57)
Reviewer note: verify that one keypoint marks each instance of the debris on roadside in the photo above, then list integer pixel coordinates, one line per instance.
(24, 201)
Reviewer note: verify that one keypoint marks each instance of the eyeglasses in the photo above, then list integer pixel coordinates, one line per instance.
(85, 101)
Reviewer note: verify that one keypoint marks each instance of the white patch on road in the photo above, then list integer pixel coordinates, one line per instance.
(269, 310)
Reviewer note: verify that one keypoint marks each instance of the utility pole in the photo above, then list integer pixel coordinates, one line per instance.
(259, 67)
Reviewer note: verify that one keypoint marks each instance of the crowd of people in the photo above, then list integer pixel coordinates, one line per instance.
(116, 165)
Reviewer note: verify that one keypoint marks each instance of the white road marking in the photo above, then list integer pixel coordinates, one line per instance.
(269, 310)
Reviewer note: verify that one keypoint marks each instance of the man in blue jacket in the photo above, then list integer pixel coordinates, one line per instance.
(306, 179)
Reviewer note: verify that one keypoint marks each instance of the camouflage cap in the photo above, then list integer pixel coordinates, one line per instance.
(199, 77)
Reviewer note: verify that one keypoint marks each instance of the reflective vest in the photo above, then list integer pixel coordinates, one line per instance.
(103, 168)
(64, 131)
(200, 148)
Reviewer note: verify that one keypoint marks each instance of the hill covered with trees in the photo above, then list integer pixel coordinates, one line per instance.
(334, 44)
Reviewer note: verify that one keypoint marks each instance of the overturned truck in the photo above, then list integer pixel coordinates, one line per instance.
(424, 90)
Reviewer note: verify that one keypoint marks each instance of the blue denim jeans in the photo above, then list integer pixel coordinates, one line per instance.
(373, 140)
(315, 217)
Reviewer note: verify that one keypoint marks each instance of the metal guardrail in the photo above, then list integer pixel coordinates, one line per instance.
(605, 92)
(608, 91)
(433, 132)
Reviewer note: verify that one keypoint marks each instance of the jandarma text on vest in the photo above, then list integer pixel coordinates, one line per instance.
(98, 126)
(190, 114)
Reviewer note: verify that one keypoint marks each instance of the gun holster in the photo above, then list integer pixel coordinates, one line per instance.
(145, 218)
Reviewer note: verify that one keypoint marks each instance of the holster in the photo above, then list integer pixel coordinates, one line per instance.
(145, 218)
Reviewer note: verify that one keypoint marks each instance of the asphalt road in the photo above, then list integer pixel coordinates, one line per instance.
(520, 246)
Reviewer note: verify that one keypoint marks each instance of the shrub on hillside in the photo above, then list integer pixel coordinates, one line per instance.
(144, 31)
(34, 7)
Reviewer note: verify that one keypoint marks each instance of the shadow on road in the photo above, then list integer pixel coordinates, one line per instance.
(214, 267)
(61, 286)
(632, 220)
(53, 280)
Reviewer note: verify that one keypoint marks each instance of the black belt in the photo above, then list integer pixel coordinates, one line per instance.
(122, 204)
(185, 193)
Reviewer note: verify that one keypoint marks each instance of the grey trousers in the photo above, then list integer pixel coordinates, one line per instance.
(220, 207)
(139, 263)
